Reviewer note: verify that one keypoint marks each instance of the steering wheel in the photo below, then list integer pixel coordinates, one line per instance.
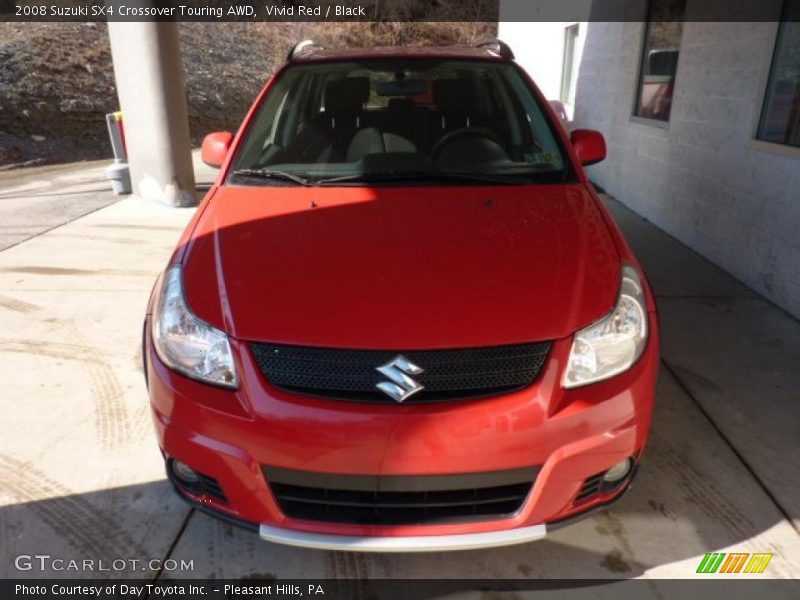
(464, 132)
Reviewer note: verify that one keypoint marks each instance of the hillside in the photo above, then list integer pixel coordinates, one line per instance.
(57, 82)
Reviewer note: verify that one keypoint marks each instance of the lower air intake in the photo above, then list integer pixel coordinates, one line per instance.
(400, 499)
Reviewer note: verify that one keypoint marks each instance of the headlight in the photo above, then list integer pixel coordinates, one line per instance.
(612, 345)
(187, 344)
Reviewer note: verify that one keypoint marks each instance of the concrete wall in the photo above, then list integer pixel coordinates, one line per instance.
(539, 49)
(702, 178)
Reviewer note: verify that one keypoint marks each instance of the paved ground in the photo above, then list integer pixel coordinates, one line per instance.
(35, 200)
(82, 478)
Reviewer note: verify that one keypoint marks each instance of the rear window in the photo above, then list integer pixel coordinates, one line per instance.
(400, 120)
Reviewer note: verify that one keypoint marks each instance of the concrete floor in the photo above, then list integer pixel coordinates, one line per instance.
(35, 200)
(82, 477)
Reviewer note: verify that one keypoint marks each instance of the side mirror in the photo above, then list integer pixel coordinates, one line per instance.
(215, 148)
(589, 145)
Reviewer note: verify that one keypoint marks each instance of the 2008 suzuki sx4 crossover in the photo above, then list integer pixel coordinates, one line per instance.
(401, 319)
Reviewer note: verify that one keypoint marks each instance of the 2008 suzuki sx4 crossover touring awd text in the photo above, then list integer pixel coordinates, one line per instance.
(401, 319)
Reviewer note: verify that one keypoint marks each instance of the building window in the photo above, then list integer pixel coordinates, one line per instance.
(569, 71)
(780, 114)
(662, 40)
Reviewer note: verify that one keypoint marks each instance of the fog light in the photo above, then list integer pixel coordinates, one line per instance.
(184, 472)
(618, 472)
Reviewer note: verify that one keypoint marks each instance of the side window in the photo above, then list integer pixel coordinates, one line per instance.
(780, 113)
(662, 40)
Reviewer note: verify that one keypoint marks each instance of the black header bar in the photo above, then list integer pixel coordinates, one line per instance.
(489, 11)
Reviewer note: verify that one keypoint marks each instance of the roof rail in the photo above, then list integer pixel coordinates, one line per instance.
(498, 47)
(301, 48)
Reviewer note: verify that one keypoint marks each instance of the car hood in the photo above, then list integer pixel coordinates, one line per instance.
(401, 268)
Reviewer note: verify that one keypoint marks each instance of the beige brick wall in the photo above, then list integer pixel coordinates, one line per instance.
(702, 178)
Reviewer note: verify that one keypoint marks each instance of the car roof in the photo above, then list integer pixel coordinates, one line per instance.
(316, 53)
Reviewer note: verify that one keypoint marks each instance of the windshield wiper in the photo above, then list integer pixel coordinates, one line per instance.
(271, 174)
(425, 175)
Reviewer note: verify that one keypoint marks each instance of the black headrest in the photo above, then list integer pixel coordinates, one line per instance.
(346, 95)
(455, 95)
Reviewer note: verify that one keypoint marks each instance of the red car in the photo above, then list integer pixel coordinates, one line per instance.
(401, 319)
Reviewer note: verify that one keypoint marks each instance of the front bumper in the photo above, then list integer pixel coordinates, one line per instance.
(569, 435)
(427, 543)
(419, 543)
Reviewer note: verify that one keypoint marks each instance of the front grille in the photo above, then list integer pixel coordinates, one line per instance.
(400, 499)
(447, 374)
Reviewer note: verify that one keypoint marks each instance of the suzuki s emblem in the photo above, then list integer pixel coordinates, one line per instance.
(400, 386)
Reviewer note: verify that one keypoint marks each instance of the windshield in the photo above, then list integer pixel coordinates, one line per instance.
(400, 120)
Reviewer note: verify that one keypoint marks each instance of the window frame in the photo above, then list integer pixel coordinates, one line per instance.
(568, 64)
(662, 123)
(757, 142)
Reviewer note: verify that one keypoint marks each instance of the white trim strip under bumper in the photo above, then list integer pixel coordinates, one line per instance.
(416, 543)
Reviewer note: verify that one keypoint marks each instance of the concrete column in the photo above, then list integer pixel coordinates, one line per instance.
(152, 96)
